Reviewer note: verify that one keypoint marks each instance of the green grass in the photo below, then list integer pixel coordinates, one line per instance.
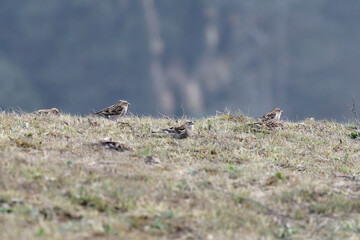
(224, 182)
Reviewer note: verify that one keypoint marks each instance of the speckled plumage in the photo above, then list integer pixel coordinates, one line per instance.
(54, 111)
(272, 116)
(114, 111)
(180, 132)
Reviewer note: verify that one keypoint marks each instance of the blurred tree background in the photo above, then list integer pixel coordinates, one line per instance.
(165, 56)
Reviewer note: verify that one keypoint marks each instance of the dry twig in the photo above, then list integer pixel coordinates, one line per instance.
(353, 110)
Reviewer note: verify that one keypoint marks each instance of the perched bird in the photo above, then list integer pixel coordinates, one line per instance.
(270, 121)
(111, 145)
(180, 132)
(273, 116)
(54, 111)
(115, 111)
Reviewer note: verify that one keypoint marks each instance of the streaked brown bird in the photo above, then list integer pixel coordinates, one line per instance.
(272, 116)
(181, 132)
(53, 111)
(114, 111)
(112, 145)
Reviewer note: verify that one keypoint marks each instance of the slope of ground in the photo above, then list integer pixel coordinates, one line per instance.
(225, 182)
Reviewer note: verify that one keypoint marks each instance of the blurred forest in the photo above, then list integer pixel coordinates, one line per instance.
(168, 56)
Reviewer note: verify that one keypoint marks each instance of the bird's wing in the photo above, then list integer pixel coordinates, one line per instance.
(180, 129)
(268, 116)
(169, 131)
(116, 109)
(102, 111)
(180, 133)
(112, 110)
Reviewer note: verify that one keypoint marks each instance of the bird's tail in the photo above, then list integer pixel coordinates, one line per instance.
(157, 132)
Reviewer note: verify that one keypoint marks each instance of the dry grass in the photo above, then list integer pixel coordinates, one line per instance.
(225, 182)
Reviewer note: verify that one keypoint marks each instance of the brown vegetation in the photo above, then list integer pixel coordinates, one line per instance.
(226, 181)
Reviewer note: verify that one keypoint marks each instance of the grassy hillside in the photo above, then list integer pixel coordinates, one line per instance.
(225, 182)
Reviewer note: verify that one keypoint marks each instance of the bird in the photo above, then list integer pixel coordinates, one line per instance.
(272, 116)
(181, 132)
(112, 145)
(114, 111)
(54, 111)
(270, 121)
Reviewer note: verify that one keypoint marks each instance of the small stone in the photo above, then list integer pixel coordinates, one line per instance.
(152, 160)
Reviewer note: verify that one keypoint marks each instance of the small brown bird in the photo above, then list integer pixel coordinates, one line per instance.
(180, 132)
(111, 145)
(270, 121)
(54, 111)
(115, 111)
(272, 116)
